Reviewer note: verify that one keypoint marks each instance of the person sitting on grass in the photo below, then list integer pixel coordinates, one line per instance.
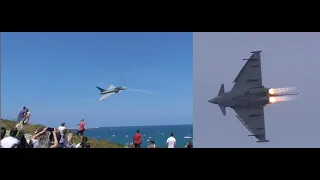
(10, 141)
(84, 143)
(35, 137)
(70, 141)
(66, 139)
(189, 145)
(152, 144)
(23, 143)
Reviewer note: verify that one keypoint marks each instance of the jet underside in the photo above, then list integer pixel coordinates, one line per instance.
(248, 97)
(110, 91)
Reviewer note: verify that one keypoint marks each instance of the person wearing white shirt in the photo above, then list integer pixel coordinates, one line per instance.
(10, 141)
(62, 127)
(27, 117)
(171, 141)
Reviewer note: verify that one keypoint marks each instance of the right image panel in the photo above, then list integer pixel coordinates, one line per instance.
(254, 89)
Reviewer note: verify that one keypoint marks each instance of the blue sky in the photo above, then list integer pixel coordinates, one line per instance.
(55, 74)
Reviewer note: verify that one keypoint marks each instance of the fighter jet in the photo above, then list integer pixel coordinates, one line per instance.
(248, 97)
(111, 90)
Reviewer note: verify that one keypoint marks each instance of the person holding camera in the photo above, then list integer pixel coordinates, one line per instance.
(45, 138)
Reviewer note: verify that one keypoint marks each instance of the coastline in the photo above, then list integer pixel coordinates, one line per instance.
(31, 128)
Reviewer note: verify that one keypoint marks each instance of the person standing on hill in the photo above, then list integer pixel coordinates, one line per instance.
(81, 128)
(137, 139)
(62, 127)
(26, 117)
(21, 114)
(171, 141)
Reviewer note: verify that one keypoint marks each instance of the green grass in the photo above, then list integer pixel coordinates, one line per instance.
(31, 128)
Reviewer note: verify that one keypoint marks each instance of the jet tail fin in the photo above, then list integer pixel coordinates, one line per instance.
(100, 89)
(221, 91)
(223, 110)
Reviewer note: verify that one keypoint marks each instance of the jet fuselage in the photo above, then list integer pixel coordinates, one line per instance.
(255, 97)
(114, 90)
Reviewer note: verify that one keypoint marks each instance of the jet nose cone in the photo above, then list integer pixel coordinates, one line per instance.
(213, 100)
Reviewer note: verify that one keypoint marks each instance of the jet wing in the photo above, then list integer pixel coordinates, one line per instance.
(250, 74)
(105, 96)
(253, 119)
(111, 87)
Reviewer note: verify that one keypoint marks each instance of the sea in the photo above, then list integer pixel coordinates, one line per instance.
(160, 133)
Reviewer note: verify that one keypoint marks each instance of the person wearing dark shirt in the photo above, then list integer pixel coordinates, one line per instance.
(22, 114)
(22, 139)
(137, 139)
(3, 132)
(84, 143)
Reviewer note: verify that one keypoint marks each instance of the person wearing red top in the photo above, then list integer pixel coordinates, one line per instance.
(81, 128)
(137, 139)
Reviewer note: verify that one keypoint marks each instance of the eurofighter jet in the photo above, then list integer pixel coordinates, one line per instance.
(248, 97)
(111, 90)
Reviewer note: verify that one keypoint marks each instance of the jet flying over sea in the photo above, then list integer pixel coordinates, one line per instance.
(110, 91)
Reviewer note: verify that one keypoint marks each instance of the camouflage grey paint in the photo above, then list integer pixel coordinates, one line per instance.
(247, 97)
(113, 90)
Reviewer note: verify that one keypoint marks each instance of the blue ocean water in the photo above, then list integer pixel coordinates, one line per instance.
(159, 134)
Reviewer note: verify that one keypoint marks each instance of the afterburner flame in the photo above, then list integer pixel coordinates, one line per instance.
(272, 100)
(277, 99)
(273, 91)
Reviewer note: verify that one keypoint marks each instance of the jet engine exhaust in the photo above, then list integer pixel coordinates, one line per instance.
(276, 99)
(274, 91)
(139, 90)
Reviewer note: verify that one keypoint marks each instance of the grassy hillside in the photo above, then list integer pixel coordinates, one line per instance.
(31, 128)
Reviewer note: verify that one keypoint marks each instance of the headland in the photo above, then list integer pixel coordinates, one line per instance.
(31, 128)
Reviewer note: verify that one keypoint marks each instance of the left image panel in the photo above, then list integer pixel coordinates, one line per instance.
(96, 90)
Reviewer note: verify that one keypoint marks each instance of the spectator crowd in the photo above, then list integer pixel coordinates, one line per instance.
(45, 137)
(42, 138)
(61, 137)
(170, 143)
